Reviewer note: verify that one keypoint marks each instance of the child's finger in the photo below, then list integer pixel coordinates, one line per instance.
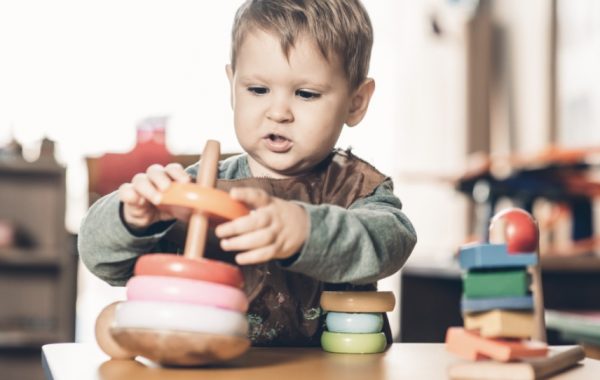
(256, 256)
(128, 195)
(242, 225)
(252, 196)
(177, 172)
(146, 189)
(159, 177)
(249, 241)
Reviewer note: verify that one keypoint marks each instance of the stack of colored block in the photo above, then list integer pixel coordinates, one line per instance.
(355, 320)
(497, 305)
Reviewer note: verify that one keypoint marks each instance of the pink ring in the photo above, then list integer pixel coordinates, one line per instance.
(183, 290)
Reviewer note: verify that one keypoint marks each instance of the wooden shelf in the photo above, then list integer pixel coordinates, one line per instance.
(588, 263)
(28, 258)
(22, 167)
(34, 339)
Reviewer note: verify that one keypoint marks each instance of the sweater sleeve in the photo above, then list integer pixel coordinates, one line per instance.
(370, 240)
(107, 247)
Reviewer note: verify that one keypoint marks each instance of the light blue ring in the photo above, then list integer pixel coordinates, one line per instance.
(354, 323)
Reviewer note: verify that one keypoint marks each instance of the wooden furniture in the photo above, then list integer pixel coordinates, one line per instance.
(401, 361)
(37, 268)
(431, 292)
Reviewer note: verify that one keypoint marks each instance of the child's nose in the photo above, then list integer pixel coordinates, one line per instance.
(280, 111)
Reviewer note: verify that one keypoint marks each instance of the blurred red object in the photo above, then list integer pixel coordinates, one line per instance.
(517, 228)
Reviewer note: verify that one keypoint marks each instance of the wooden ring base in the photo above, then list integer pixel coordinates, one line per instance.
(179, 348)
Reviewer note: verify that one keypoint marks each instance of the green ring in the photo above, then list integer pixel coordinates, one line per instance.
(347, 343)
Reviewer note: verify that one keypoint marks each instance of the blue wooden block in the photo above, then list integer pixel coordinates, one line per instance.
(483, 304)
(479, 256)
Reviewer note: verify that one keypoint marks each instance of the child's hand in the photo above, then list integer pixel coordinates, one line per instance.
(275, 229)
(141, 196)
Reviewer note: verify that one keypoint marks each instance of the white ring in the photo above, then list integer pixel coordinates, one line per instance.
(180, 317)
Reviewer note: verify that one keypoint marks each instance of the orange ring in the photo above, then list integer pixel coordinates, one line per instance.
(212, 201)
(358, 302)
(164, 264)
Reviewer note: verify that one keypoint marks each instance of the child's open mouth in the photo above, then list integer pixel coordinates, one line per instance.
(277, 143)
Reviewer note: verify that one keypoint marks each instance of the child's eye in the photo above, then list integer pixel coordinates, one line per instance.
(305, 94)
(258, 90)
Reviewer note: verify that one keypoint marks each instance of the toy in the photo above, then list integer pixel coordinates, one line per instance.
(503, 321)
(354, 321)
(183, 310)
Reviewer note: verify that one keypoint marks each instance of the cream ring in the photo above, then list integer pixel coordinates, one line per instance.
(183, 290)
(358, 302)
(180, 317)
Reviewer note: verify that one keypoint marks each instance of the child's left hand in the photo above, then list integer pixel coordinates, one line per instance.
(275, 229)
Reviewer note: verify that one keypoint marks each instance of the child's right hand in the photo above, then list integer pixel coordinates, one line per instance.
(141, 197)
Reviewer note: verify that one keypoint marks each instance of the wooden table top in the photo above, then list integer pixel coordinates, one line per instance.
(65, 361)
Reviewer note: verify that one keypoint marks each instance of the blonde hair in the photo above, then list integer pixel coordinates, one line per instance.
(340, 27)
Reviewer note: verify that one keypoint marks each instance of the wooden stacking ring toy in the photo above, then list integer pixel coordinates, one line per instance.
(179, 316)
(194, 269)
(358, 302)
(183, 290)
(180, 348)
(346, 343)
(354, 323)
(183, 310)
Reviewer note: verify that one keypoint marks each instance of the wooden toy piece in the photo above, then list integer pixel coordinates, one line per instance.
(501, 323)
(481, 256)
(180, 348)
(354, 323)
(198, 223)
(517, 228)
(215, 204)
(484, 304)
(179, 333)
(104, 337)
(177, 266)
(357, 302)
(183, 290)
(498, 283)
(527, 369)
(469, 345)
(157, 315)
(520, 232)
(347, 343)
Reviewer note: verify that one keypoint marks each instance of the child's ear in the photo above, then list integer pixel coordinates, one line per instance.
(229, 72)
(360, 102)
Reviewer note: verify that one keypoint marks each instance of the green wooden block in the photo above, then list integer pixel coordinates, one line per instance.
(504, 283)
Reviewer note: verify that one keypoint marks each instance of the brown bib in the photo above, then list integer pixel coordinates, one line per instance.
(284, 305)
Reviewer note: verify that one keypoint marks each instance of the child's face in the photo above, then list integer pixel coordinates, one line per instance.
(288, 113)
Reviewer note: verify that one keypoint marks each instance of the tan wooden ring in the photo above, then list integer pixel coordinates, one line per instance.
(358, 302)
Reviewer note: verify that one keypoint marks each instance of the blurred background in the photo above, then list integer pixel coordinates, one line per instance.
(480, 104)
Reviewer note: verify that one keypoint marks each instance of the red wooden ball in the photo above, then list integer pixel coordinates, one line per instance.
(520, 230)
